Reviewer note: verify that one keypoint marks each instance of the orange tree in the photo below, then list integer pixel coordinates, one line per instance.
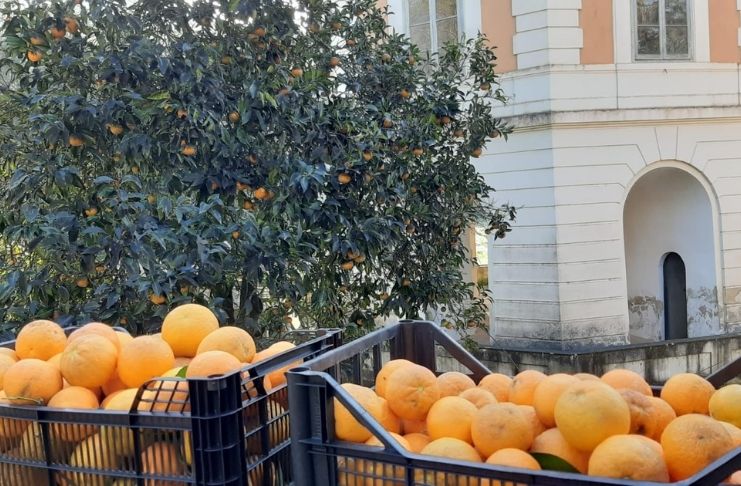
(269, 158)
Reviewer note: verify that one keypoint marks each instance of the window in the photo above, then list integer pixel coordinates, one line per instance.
(432, 23)
(662, 29)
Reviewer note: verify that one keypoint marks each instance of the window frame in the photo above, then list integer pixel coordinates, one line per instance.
(663, 56)
(432, 6)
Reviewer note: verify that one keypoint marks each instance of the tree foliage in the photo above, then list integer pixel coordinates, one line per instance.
(268, 158)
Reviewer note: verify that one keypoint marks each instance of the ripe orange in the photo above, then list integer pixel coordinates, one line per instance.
(725, 404)
(97, 328)
(621, 379)
(417, 441)
(9, 352)
(94, 452)
(589, 412)
(478, 396)
(123, 338)
(451, 417)
(5, 363)
(642, 417)
(73, 397)
(40, 340)
(691, 442)
(452, 383)
(75, 141)
(663, 414)
(388, 418)
(631, 457)
(346, 426)
(31, 381)
(189, 150)
(163, 459)
(547, 393)
(89, 361)
(384, 373)
(498, 385)
(586, 377)
(553, 442)
(452, 449)
(181, 361)
(513, 458)
(142, 359)
(277, 377)
(734, 432)
(34, 56)
(166, 395)
(414, 426)
(212, 363)
(57, 33)
(344, 178)
(734, 478)
(231, 339)
(532, 418)
(522, 389)
(411, 390)
(688, 393)
(234, 117)
(378, 472)
(500, 426)
(186, 326)
(376, 442)
(114, 384)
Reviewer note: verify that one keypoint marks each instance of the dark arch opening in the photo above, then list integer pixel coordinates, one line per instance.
(675, 297)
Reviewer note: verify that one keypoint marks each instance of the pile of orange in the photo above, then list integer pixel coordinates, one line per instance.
(96, 367)
(610, 426)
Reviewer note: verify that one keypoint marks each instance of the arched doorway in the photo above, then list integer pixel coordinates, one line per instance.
(670, 259)
(675, 297)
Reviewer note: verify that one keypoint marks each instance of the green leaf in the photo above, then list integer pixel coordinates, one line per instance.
(182, 372)
(159, 96)
(549, 462)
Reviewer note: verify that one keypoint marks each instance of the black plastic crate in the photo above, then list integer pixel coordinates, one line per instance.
(228, 430)
(318, 458)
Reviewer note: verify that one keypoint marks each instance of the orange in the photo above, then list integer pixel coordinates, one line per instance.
(498, 385)
(166, 395)
(513, 458)
(212, 363)
(122, 438)
(663, 414)
(95, 453)
(89, 361)
(631, 457)
(688, 393)
(452, 383)
(417, 441)
(734, 478)
(5, 363)
(478, 396)
(452, 449)
(411, 390)
(379, 473)
(231, 339)
(181, 361)
(734, 432)
(123, 338)
(642, 416)
(346, 426)
(387, 418)
(553, 442)
(277, 377)
(142, 359)
(451, 417)
(412, 426)
(31, 382)
(9, 352)
(376, 442)
(621, 379)
(547, 393)
(589, 412)
(114, 384)
(40, 340)
(522, 389)
(55, 360)
(725, 404)
(186, 326)
(73, 397)
(163, 459)
(586, 377)
(97, 328)
(385, 372)
(500, 426)
(532, 417)
(691, 442)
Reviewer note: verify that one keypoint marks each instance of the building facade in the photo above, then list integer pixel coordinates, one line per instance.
(625, 164)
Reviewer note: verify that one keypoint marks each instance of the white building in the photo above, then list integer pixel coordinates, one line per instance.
(626, 164)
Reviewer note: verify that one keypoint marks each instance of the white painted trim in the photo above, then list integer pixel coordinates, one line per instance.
(399, 14)
(717, 227)
(700, 30)
(469, 17)
(623, 31)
